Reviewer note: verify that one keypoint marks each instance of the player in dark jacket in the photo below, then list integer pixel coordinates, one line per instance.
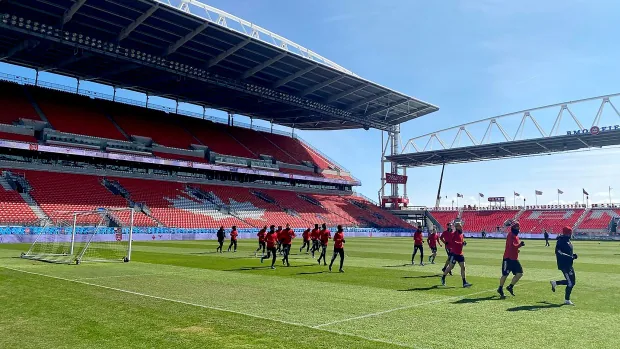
(546, 238)
(221, 235)
(565, 257)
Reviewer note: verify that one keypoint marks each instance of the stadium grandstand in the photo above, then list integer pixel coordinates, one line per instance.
(188, 171)
(181, 171)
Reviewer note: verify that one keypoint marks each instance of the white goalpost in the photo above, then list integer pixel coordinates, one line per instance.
(102, 235)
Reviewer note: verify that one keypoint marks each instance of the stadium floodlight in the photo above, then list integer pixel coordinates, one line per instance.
(83, 236)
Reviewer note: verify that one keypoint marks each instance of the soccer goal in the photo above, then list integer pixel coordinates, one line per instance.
(103, 235)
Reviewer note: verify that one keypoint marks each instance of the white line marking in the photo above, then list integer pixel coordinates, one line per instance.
(209, 307)
(407, 307)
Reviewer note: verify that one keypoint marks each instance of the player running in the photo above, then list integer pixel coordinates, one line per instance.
(261, 240)
(271, 239)
(446, 237)
(565, 257)
(286, 237)
(314, 235)
(233, 238)
(306, 236)
(324, 237)
(456, 254)
(338, 248)
(418, 244)
(279, 235)
(221, 235)
(511, 262)
(433, 240)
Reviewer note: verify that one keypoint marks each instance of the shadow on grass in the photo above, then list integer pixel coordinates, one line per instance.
(434, 287)
(422, 276)
(208, 252)
(476, 300)
(396, 266)
(267, 267)
(535, 307)
(311, 273)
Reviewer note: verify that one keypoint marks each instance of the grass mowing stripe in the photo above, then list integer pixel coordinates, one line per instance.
(208, 307)
(121, 276)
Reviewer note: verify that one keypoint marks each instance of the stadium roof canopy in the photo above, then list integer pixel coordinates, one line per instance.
(559, 138)
(194, 53)
(513, 149)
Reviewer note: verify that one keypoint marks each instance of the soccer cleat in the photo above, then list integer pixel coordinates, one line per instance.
(421, 264)
(500, 290)
(510, 289)
(568, 302)
(273, 267)
(467, 285)
(341, 271)
(261, 259)
(330, 268)
(412, 263)
(553, 285)
(443, 280)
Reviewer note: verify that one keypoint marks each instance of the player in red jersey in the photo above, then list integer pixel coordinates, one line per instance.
(324, 236)
(433, 240)
(261, 240)
(271, 239)
(418, 244)
(511, 263)
(314, 235)
(456, 254)
(446, 237)
(306, 237)
(286, 237)
(338, 248)
(233, 238)
(279, 235)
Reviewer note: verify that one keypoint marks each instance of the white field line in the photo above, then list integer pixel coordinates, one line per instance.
(77, 281)
(408, 307)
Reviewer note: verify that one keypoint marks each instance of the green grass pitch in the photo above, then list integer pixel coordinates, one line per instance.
(183, 295)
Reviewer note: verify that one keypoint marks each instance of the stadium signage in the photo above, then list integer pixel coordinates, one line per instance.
(157, 161)
(497, 199)
(395, 178)
(594, 130)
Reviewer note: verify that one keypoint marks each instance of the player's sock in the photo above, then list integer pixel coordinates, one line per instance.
(500, 290)
(443, 280)
(553, 285)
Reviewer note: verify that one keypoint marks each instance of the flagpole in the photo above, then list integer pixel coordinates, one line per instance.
(514, 198)
(558, 198)
(536, 198)
(610, 194)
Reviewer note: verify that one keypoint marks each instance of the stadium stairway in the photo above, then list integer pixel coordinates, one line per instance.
(25, 210)
(581, 218)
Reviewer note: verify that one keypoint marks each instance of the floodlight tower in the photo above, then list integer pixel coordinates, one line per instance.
(390, 141)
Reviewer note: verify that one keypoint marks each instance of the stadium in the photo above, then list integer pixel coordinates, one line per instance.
(89, 176)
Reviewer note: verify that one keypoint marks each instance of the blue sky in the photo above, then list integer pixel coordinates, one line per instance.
(474, 59)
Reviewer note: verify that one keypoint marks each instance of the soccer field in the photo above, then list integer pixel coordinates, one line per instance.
(183, 295)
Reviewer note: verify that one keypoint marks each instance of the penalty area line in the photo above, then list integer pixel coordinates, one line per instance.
(78, 281)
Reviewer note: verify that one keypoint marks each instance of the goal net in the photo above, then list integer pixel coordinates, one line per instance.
(74, 237)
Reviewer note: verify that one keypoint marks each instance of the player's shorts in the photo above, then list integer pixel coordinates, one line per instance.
(261, 244)
(456, 258)
(434, 249)
(511, 266)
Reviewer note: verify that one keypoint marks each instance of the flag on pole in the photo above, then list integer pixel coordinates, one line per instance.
(560, 192)
(538, 192)
(585, 192)
(459, 195)
(481, 195)
(517, 194)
